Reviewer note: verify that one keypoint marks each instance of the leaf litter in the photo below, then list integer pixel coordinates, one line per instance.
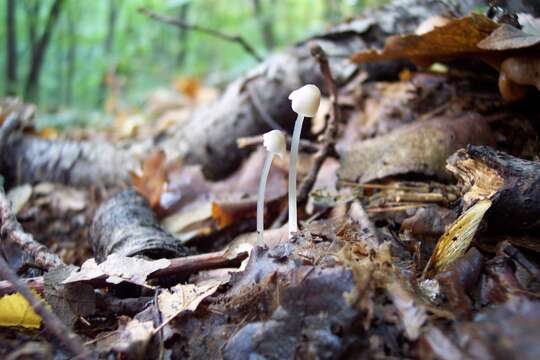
(394, 259)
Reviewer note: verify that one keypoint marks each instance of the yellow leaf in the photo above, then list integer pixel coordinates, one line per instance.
(456, 240)
(16, 311)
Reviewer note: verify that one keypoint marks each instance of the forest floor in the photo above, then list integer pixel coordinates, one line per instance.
(419, 200)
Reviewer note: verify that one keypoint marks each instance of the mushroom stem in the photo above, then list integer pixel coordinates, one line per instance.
(260, 198)
(293, 222)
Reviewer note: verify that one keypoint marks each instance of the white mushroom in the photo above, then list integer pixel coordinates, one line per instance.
(274, 142)
(305, 102)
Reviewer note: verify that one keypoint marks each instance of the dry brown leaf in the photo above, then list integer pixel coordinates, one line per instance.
(60, 197)
(19, 196)
(507, 37)
(188, 86)
(116, 269)
(183, 298)
(151, 182)
(457, 38)
(421, 147)
(48, 133)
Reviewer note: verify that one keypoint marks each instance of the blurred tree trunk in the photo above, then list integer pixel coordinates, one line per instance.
(71, 57)
(11, 51)
(111, 26)
(182, 35)
(32, 9)
(60, 64)
(265, 20)
(39, 51)
(108, 47)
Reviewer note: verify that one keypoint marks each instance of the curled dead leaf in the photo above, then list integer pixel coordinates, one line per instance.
(456, 38)
(456, 239)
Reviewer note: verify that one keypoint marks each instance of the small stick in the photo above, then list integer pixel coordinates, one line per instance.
(12, 232)
(50, 320)
(247, 141)
(329, 137)
(212, 32)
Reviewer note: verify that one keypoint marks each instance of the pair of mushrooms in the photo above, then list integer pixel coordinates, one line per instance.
(305, 102)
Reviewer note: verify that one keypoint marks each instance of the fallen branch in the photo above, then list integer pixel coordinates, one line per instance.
(126, 225)
(179, 267)
(31, 159)
(50, 320)
(329, 137)
(18, 246)
(202, 29)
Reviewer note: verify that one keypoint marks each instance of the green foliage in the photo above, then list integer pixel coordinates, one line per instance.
(145, 53)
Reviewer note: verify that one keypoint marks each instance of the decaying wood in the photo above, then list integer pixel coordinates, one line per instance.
(126, 225)
(31, 159)
(420, 148)
(19, 247)
(513, 184)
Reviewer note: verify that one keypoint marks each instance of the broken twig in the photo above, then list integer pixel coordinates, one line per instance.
(12, 234)
(179, 266)
(257, 140)
(212, 32)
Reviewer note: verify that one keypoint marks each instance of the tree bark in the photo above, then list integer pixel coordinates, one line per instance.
(39, 51)
(29, 159)
(11, 51)
(126, 225)
(511, 183)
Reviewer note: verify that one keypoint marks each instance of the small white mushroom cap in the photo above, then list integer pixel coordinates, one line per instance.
(274, 142)
(306, 100)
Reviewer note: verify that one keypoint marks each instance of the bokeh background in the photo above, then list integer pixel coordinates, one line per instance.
(98, 52)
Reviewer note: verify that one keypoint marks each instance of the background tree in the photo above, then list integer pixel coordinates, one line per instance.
(39, 50)
(182, 35)
(265, 19)
(11, 50)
